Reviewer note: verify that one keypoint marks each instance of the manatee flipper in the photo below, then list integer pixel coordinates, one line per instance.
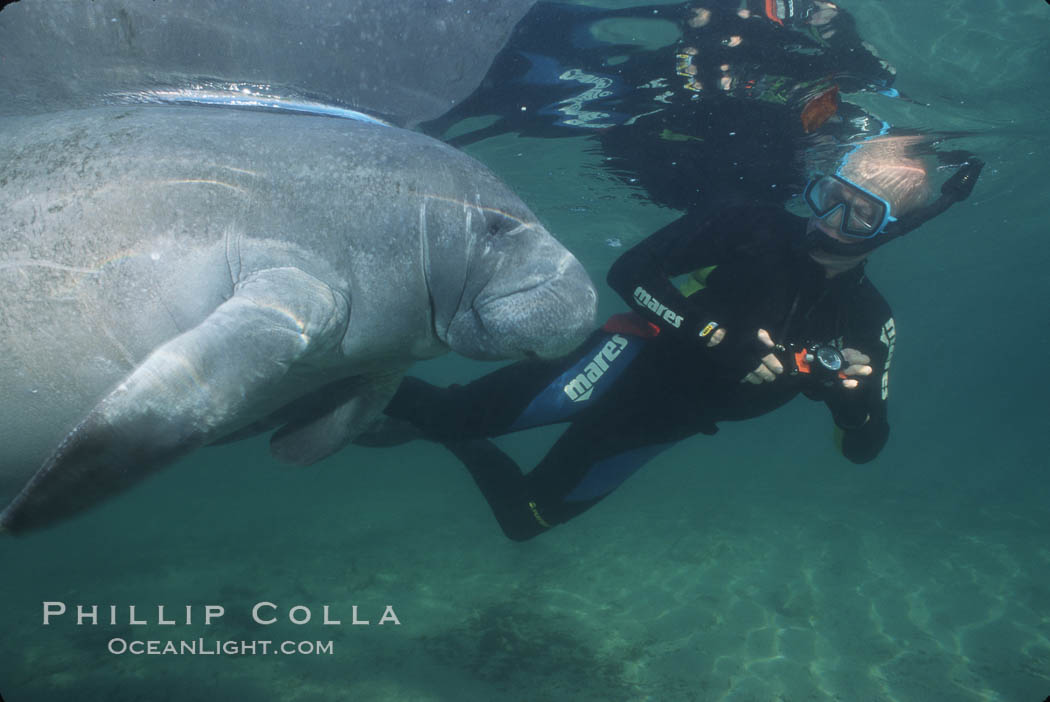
(358, 401)
(185, 393)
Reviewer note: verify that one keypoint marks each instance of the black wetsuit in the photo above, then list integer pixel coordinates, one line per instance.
(648, 379)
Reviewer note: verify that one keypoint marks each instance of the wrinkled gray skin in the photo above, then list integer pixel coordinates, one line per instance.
(406, 60)
(172, 277)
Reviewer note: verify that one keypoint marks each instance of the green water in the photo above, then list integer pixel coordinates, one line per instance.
(757, 565)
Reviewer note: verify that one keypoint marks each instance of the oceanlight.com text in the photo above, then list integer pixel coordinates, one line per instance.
(213, 647)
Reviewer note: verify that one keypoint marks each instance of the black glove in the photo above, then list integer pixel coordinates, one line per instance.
(739, 353)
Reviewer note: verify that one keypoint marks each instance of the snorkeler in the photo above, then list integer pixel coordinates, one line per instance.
(773, 305)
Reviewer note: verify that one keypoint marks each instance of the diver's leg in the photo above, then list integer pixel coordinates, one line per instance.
(589, 461)
(501, 484)
(586, 465)
(523, 395)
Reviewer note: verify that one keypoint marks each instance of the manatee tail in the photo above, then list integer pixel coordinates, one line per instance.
(96, 460)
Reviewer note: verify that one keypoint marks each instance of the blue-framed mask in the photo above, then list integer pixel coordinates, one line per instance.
(856, 212)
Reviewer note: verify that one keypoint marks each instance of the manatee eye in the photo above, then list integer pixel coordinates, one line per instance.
(497, 223)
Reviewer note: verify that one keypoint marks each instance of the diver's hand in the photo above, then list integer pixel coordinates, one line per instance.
(858, 366)
(716, 338)
(770, 367)
(823, 13)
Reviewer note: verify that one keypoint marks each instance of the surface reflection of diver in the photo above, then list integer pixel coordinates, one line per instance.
(587, 68)
(695, 104)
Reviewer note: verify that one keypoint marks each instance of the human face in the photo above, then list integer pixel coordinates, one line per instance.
(833, 263)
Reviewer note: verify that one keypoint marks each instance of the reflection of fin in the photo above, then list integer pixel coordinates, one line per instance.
(360, 403)
(185, 393)
(818, 110)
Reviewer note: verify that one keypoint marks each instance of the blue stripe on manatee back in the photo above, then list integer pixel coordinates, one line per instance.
(247, 99)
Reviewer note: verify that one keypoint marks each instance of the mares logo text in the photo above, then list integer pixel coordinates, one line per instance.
(580, 387)
(644, 299)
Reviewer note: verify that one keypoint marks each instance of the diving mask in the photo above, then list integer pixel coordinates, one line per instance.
(855, 212)
(865, 218)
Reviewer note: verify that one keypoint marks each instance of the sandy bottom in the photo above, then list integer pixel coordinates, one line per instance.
(739, 582)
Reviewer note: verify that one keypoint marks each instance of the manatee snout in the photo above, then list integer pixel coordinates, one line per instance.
(547, 321)
(545, 313)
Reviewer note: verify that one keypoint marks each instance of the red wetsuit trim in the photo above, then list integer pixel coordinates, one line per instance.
(630, 324)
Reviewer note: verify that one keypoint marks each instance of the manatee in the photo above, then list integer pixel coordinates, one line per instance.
(176, 276)
(405, 61)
